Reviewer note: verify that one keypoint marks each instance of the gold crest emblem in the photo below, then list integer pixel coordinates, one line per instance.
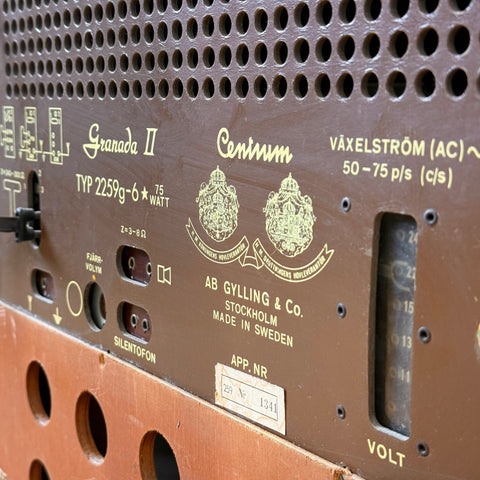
(218, 207)
(289, 218)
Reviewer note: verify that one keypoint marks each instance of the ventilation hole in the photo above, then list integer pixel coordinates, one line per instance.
(124, 89)
(371, 45)
(79, 89)
(91, 428)
(301, 14)
(48, 45)
(345, 85)
(8, 90)
(322, 85)
(428, 6)
(78, 65)
(123, 36)
(98, 13)
(150, 89)
(135, 34)
(346, 48)
(38, 392)
(460, 4)
(370, 85)
(192, 28)
(177, 59)
(396, 84)
(459, 40)
(192, 88)
(280, 18)
(428, 41)
(68, 66)
(242, 87)
(208, 26)
(300, 86)
(398, 44)
(177, 5)
(87, 14)
(302, 50)
(400, 7)
(457, 82)
(177, 30)
(163, 60)
(163, 88)
(192, 58)
(225, 87)
(67, 19)
(260, 87)
(148, 6)
(136, 62)
(99, 39)
(148, 33)
(425, 84)
(33, 90)
(162, 5)
(225, 56)
(243, 22)
(177, 88)
(157, 459)
(90, 89)
(261, 53)
(69, 90)
(280, 52)
(208, 88)
(225, 24)
(110, 11)
(112, 63)
(149, 61)
(162, 31)
(77, 16)
(192, 3)
(38, 471)
(89, 65)
(261, 20)
(347, 11)
(101, 89)
(124, 63)
(242, 55)
(208, 57)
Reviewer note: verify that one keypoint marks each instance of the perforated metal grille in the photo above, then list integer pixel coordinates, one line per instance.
(202, 49)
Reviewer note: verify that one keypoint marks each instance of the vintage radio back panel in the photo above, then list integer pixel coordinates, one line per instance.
(271, 205)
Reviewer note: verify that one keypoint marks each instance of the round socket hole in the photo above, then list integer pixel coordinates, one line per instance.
(95, 306)
(459, 40)
(91, 428)
(38, 392)
(157, 459)
(396, 84)
(38, 471)
(370, 85)
(457, 82)
(428, 41)
(425, 84)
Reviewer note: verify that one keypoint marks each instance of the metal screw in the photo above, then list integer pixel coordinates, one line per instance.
(430, 216)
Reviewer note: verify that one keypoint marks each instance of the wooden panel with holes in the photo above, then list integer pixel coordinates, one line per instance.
(72, 411)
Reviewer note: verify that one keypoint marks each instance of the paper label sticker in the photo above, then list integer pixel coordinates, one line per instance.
(250, 397)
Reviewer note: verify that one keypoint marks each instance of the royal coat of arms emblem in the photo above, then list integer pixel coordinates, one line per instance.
(289, 218)
(218, 207)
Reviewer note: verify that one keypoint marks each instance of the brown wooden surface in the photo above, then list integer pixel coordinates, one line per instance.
(208, 442)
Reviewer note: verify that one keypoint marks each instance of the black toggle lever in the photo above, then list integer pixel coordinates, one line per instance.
(22, 224)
